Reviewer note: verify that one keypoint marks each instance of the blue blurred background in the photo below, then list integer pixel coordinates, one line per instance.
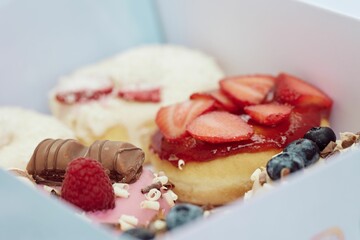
(88, 30)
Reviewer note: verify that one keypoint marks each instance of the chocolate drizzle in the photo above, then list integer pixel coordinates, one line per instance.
(122, 161)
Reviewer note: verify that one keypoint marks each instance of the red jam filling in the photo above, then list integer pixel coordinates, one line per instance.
(265, 138)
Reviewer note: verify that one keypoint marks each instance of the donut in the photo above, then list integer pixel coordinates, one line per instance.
(20, 132)
(210, 145)
(117, 99)
(140, 196)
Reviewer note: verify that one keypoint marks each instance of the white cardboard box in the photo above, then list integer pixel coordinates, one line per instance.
(41, 40)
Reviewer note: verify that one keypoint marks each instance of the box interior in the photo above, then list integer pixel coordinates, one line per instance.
(246, 37)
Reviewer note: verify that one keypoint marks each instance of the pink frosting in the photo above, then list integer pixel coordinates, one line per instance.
(131, 205)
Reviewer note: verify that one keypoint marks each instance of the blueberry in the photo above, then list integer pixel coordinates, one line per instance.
(285, 160)
(321, 136)
(138, 233)
(306, 148)
(181, 214)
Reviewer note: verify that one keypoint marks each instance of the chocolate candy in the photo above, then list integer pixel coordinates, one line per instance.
(122, 161)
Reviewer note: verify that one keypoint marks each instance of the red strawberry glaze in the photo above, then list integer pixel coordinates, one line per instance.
(265, 138)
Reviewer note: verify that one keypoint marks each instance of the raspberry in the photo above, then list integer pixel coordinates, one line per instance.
(87, 186)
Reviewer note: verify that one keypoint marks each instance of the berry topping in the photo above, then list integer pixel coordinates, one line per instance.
(248, 90)
(284, 164)
(218, 127)
(222, 101)
(87, 186)
(296, 92)
(139, 233)
(140, 93)
(305, 148)
(172, 120)
(83, 89)
(321, 136)
(268, 114)
(181, 214)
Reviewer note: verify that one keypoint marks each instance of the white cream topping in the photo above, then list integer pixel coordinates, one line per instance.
(177, 70)
(23, 130)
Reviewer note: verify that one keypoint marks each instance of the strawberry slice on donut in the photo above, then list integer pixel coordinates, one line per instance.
(222, 101)
(297, 92)
(268, 114)
(140, 93)
(218, 127)
(82, 89)
(172, 120)
(248, 90)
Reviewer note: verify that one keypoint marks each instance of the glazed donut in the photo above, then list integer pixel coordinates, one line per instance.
(20, 132)
(125, 92)
(209, 146)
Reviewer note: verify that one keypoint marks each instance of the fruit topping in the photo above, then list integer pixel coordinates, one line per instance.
(248, 90)
(222, 101)
(87, 186)
(83, 89)
(138, 233)
(181, 214)
(305, 148)
(172, 120)
(321, 136)
(219, 126)
(140, 93)
(268, 114)
(297, 92)
(283, 164)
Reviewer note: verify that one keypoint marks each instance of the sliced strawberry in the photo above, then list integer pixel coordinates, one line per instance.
(82, 89)
(268, 114)
(172, 120)
(140, 93)
(221, 100)
(297, 92)
(217, 127)
(248, 90)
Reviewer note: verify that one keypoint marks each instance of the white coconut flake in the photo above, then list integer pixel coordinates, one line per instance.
(50, 189)
(154, 205)
(128, 222)
(181, 163)
(170, 197)
(159, 225)
(153, 195)
(121, 190)
(162, 179)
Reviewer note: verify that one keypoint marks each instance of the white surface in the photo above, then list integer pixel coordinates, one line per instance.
(346, 7)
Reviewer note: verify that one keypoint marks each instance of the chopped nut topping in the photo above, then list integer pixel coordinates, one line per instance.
(348, 139)
(156, 185)
(284, 172)
(262, 178)
(328, 149)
